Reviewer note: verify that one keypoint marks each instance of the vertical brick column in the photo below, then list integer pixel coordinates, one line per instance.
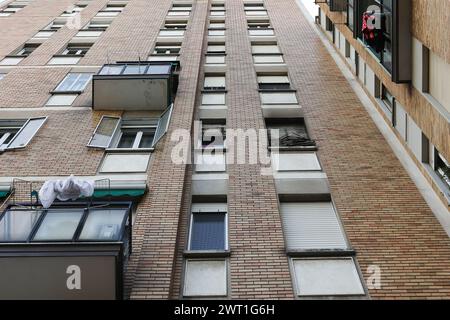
(155, 231)
(258, 263)
(385, 217)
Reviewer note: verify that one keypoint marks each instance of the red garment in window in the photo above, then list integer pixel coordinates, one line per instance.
(367, 29)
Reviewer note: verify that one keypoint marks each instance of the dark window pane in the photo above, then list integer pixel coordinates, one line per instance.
(126, 140)
(208, 231)
(147, 140)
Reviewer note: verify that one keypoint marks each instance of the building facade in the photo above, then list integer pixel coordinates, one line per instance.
(154, 105)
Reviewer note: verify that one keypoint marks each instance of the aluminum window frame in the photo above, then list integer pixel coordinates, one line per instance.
(191, 223)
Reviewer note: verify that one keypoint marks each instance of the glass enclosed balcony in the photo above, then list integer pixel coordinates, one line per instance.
(135, 86)
(69, 251)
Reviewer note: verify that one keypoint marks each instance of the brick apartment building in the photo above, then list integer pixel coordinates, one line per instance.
(104, 89)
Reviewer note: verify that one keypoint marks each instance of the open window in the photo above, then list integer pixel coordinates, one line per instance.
(288, 133)
(130, 134)
(16, 134)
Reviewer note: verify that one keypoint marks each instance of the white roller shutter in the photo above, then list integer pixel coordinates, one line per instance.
(312, 225)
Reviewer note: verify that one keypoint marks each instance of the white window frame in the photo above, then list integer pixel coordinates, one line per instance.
(8, 147)
(356, 271)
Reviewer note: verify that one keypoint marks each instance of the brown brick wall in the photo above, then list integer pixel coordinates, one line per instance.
(385, 217)
(258, 263)
(156, 228)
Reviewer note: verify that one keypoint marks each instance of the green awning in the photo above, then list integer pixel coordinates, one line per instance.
(3, 194)
(119, 193)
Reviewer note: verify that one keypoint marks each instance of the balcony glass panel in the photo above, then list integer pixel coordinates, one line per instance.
(103, 225)
(16, 225)
(111, 70)
(59, 225)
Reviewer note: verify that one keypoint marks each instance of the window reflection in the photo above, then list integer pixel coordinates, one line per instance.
(103, 225)
(16, 225)
(59, 225)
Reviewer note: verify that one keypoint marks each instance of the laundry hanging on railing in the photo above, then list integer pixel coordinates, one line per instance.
(69, 189)
(373, 36)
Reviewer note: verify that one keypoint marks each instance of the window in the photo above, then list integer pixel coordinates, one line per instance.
(291, 133)
(104, 225)
(442, 168)
(326, 277)
(177, 25)
(11, 9)
(71, 54)
(217, 9)
(74, 49)
(213, 133)
(216, 33)
(213, 98)
(215, 59)
(267, 81)
(74, 82)
(295, 161)
(111, 10)
(208, 229)
(260, 29)
(255, 9)
(388, 99)
(98, 25)
(167, 48)
(171, 33)
(350, 14)
(2, 75)
(270, 48)
(381, 42)
(275, 58)
(217, 24)
(180, 10)
(16, 225)
(73, 11)
(216, 48)
(59, 225)
(26, 49)
(205, 278)
(438, 80)
(130, 133)
(56, 24)
(278, 97)
(16, 134)
(304, 225)
(214, 82)
(11, 61)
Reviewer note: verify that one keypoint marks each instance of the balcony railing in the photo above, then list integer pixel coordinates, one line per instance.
(135, 86)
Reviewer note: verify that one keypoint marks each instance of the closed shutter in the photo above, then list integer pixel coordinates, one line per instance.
(312, 225)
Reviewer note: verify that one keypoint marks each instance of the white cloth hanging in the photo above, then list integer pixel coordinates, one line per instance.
(64, 190)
